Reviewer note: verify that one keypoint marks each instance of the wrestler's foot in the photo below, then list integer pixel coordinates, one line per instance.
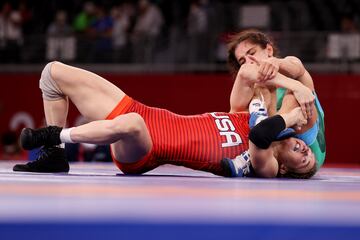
(48, 136)
(50, 160)
(237, 167)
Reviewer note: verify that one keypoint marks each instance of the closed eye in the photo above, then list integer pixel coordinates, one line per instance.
(241, 61)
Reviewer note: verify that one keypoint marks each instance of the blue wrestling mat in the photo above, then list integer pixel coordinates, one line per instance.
(167, 231)
(95, 201)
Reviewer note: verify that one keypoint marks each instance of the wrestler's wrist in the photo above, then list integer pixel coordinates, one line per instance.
(294, 86)
(290, 119)
(280, 62)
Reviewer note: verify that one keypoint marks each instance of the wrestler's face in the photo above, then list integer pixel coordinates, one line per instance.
(297, 156)
(246, 48)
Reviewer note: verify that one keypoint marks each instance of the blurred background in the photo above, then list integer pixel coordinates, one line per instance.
(172, 54)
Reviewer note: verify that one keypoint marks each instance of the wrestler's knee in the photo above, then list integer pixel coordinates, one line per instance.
(55, 70)
(48, 85)
(131, 124)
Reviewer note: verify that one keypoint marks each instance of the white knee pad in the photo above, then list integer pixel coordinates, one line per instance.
(50, 90)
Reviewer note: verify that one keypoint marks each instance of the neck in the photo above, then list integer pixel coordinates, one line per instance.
(276, 146)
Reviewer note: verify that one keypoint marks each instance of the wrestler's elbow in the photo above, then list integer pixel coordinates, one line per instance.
(299, 69)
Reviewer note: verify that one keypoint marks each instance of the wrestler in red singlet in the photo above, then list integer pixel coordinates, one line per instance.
(196, 141)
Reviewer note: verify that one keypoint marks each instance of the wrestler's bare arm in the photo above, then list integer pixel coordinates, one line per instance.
(248, 76)
(303, 94)
(263, 161)
(241, 93)
(293, 67)
(290, 67)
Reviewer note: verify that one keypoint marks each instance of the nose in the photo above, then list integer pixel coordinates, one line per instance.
(305, 149)
(248, 60)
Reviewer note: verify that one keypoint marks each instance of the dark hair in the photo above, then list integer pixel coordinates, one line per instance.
(306, 175)
(252, 35)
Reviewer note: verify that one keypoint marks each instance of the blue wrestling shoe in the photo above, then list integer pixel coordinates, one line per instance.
(237, 167)
(49, 160)
(257, 112)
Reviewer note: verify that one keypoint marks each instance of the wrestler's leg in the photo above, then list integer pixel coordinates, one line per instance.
(56, 111)
(241, 93)
(128, 135)
(93, 96)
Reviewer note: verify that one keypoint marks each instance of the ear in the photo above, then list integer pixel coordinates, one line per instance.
(270, 50)
(283, 169)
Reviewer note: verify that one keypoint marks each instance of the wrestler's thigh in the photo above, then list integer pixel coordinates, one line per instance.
(94, 96)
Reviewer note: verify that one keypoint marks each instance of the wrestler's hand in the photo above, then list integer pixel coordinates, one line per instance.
(268, 68)
(295, 118)
(306, 99)
(300, 118)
